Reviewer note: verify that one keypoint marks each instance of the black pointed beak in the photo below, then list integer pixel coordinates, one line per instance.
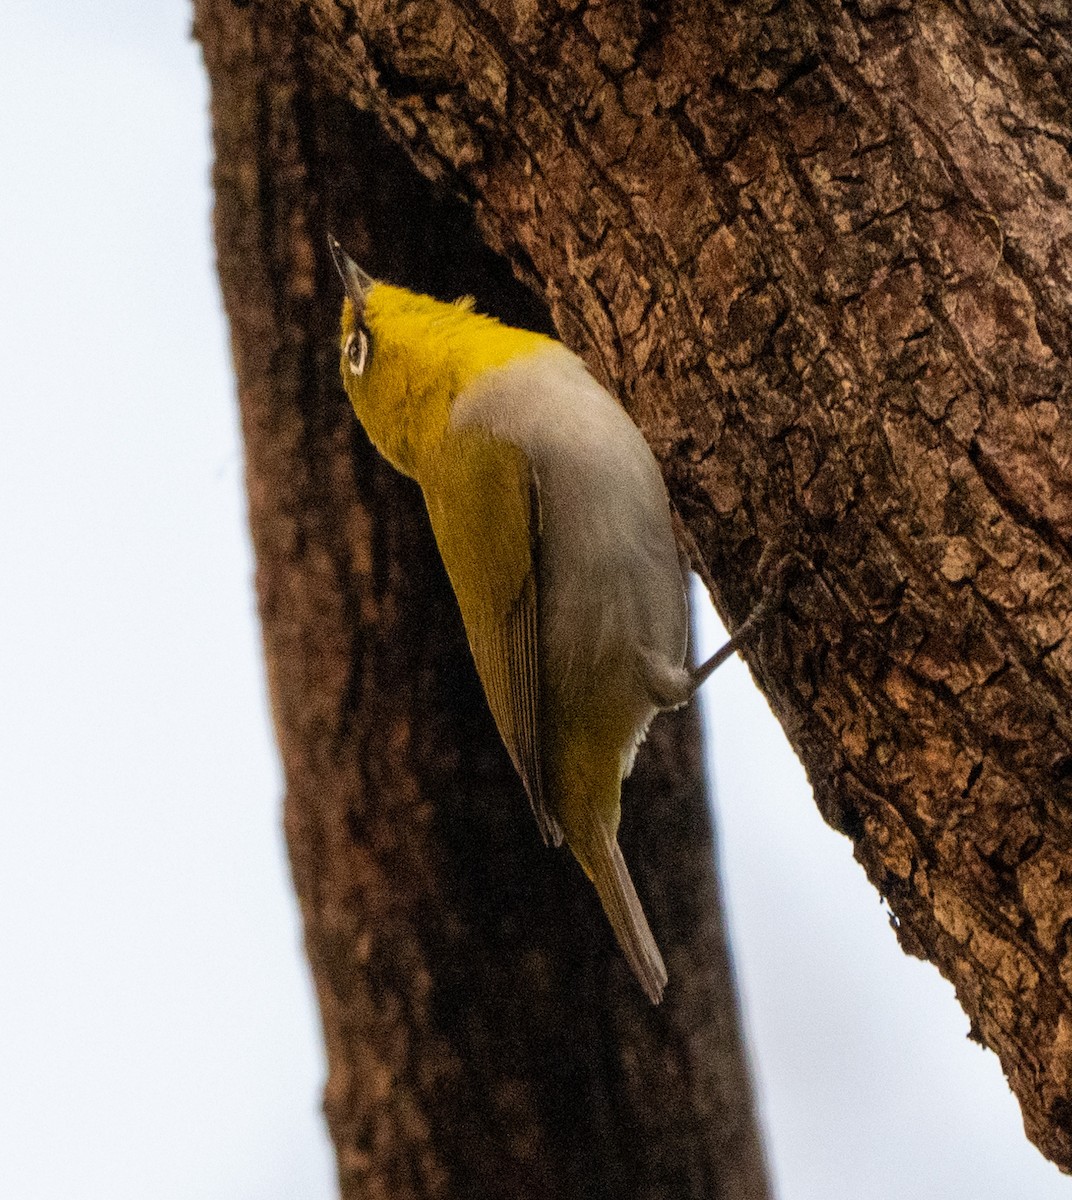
(356, 282)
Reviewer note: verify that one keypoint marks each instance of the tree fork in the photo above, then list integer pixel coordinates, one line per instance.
(484, 1037)
(822, 251)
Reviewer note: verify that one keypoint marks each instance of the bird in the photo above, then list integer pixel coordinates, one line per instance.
(553, 522)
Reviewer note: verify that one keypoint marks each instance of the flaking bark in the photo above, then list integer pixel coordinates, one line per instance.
(822, 251)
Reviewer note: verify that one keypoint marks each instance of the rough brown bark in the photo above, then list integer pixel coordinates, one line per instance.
(484, 1038)
(822, 251)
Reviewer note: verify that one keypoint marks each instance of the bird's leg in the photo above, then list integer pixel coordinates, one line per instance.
(670, 687)
(774, 577)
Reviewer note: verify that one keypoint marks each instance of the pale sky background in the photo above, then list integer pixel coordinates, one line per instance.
(158, 1036)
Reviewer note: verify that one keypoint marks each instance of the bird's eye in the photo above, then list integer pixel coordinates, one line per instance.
(356, 351)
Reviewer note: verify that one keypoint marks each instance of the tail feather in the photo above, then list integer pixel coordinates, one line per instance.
(608, 872)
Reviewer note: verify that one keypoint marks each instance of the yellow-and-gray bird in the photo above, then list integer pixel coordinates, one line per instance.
(553, 521)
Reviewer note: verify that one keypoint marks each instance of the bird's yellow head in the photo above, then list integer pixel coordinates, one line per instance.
(406, 357)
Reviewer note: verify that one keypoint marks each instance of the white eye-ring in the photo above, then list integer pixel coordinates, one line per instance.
(356, 351)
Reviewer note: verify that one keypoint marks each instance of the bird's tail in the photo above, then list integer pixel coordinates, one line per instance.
(605, 866)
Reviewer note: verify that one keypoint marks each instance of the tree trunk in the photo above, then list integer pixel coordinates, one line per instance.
(822, 252)
(484, 1037)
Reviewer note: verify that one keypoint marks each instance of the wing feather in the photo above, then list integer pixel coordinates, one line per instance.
(484, 505)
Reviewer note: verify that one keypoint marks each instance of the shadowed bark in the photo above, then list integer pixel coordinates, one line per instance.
(822, 252)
